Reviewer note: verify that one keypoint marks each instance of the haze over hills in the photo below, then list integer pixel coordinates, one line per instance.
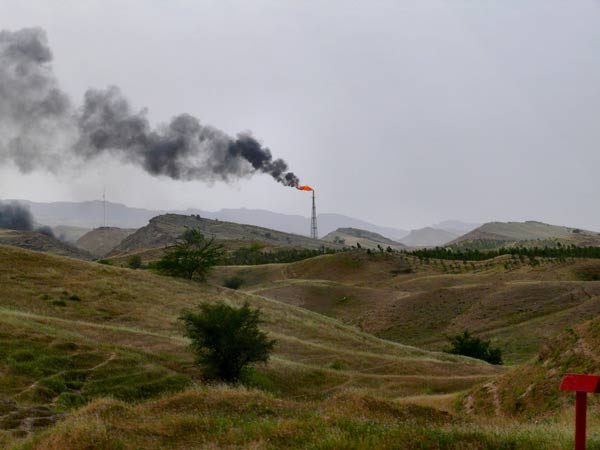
(428, 236)
(90, 215)
(456, 226)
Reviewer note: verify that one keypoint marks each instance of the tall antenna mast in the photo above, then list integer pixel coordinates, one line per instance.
(104, 205)
(313, 220)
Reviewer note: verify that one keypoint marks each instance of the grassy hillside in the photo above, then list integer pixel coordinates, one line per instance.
(397, 297)
(72, 331)
(228, 418)
(101, 241)
(32, 240)
(532, 389)
(496, 234)
(367, 239)
(164, 230)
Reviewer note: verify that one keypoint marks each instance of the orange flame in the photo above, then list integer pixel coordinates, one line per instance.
(304, 188)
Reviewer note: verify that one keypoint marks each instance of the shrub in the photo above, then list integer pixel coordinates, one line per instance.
(105, 262)
(192, 256)
(227, 339)
(59, 303)
(234, 282)
(134, 262)
(467, 345)
(75, 298)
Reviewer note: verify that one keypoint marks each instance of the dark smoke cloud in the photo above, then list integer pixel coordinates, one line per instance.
(16, 217)
(37, 122)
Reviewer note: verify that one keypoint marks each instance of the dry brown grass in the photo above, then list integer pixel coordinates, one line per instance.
(517, 307)
(137, 311)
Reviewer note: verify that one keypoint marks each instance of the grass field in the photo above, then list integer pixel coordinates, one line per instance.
(516, 305)
(235, 418)
(74, 331)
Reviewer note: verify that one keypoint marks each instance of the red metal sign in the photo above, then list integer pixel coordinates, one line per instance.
(581, 385)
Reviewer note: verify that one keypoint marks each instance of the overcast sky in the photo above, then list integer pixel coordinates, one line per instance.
(403, 113)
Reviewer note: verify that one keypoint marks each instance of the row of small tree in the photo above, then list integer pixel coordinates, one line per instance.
(558, 252)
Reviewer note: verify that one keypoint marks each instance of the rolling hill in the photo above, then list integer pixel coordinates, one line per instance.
(32, 240)
(89, 215)
(101, 241)
(414, 302)
(531, 390)
(72, 331)
(164, 230)
(367, 239)
(497, 234)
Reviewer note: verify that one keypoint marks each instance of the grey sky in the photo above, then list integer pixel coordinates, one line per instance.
(402, 113)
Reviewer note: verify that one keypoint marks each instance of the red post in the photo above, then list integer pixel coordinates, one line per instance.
(580, 419)
(581, 385)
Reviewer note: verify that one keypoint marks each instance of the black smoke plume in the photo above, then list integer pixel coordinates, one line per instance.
(16, 217)
(38, 122)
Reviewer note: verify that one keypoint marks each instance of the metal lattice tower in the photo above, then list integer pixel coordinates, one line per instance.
(104, 206)
(313, 220)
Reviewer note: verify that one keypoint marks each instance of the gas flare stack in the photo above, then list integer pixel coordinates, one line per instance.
(314, 234)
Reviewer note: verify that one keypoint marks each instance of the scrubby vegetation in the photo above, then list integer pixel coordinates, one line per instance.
(254, 255)
(468, 345)
(474, 254)
(192, 256)
(227, 339)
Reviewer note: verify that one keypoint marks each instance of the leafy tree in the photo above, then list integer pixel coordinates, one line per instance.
(135, 262)
(226, 339)
(192, 256)
(469, 345)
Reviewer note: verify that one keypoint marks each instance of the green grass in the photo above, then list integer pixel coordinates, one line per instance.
(123, 339)
(239, 418)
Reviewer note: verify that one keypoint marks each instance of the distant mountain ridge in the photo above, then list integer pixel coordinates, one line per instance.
(494, 234)
(90, 214)
(164, 230)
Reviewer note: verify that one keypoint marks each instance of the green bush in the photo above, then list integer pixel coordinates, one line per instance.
(467, 345)
(192, 256)
(227, 339)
